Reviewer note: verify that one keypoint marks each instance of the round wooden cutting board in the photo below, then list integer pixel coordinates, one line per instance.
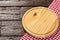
(40, 22)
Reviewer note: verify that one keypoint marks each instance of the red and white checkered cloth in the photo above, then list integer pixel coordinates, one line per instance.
(55, 5)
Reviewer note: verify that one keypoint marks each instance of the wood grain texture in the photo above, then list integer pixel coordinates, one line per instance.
(24, 3)
(9, 38)
(11, 28)
(11, 12)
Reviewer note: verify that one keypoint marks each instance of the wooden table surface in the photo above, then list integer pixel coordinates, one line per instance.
(11, 12)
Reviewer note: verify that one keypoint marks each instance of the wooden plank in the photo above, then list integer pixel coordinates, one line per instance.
(9, 17)
(5, 38)
(11, 24)
(13, 0)
(16, 38)
(9, 8)
(13, 8)
(10, 31)
(9, 11)
(11, 28)
(24, 3)
(9, 0)
(9, 38)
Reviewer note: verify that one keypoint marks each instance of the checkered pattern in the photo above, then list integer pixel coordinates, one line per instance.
(55, 5)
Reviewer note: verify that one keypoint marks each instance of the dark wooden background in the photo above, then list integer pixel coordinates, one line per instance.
(11, 12)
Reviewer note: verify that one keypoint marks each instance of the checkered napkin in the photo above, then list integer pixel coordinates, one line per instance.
(55, 5)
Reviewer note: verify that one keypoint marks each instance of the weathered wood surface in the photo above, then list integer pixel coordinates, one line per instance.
(11, 12)
(9, 38)
(25, 3)
(11, 28)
